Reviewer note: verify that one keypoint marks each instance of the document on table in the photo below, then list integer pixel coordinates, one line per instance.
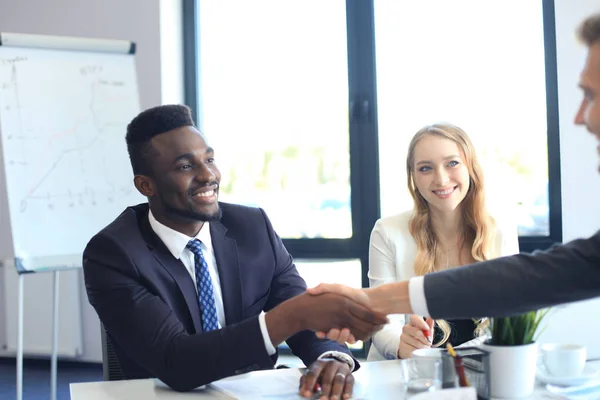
(281, 384)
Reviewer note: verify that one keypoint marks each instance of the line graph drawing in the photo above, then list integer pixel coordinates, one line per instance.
(63, 119)
(50, 161)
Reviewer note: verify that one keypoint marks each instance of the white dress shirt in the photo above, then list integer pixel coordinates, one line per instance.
(392, 254)
(176, 242)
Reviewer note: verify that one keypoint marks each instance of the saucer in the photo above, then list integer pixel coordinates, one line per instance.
(589, 373)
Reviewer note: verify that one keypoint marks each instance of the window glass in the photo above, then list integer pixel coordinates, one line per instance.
(273, 93)
(480, 66)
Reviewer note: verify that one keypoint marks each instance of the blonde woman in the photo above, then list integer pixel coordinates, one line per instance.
(449, 226)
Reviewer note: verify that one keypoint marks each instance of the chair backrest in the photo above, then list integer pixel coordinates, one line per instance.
(110, 364)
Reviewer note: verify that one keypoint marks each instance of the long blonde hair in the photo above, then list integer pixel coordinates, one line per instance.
(479, 226)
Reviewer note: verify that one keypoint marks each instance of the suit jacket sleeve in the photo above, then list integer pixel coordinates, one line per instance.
(287, 283)
(382, 270)
(517, 284)
(140, 320)
(507, 244)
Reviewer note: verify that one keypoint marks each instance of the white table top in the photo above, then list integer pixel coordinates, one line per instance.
(374, 380)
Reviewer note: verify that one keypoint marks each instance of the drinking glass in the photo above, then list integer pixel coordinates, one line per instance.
(421, 374)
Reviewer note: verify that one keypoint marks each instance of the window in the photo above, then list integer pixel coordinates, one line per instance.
(456, 61)
(275, 108)
(287, 94)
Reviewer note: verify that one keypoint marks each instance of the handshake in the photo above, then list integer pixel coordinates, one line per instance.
(342, 313)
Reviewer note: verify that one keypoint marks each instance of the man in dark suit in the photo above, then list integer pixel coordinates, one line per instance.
(191, 290)
(509, 285)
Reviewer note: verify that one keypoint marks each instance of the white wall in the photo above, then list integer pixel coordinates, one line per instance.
(579, 177)
(136, 20)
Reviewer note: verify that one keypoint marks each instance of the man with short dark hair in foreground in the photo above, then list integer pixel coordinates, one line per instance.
(191, 290)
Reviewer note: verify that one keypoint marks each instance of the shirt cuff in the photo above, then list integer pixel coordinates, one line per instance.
(416, 296)
(265, 334)
(338, 355)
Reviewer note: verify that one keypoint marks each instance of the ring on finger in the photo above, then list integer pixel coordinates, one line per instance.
(341, 374)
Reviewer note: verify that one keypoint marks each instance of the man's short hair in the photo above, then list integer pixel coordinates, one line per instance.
(148, 124)
(589, 30)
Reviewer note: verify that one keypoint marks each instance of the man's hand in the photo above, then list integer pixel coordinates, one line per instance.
(329, 310)
(358, 295)
(391, 298)
(321, 313)
(333, 377)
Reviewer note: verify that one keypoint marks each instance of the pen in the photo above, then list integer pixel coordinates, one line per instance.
(426, 333)
(458, 365)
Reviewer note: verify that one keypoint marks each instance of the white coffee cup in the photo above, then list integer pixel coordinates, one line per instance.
(431, 352)
(563, 359)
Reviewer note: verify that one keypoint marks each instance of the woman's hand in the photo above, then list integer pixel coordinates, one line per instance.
(417, 334)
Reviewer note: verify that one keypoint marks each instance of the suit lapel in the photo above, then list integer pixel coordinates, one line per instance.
(226, 255)
(176, 269)
(182, 277)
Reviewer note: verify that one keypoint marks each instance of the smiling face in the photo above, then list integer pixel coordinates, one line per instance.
(440, 173)
(589, 110)
(183, 189)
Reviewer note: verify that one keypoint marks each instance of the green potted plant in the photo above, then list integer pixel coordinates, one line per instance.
(513, 354)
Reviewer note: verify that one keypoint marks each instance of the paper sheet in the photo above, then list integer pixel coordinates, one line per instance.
(281, 384)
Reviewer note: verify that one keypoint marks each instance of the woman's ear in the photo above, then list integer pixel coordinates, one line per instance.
(144, 184)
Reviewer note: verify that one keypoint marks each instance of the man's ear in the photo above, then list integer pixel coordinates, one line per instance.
(144, 184)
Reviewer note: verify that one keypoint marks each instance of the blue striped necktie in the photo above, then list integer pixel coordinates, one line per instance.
(206, 296)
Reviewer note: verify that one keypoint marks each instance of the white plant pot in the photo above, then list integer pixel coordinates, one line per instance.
(512, 370)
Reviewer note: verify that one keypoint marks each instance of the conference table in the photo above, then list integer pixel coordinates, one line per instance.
(374, 380)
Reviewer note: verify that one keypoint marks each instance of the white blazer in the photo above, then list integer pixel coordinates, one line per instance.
(392, 254)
